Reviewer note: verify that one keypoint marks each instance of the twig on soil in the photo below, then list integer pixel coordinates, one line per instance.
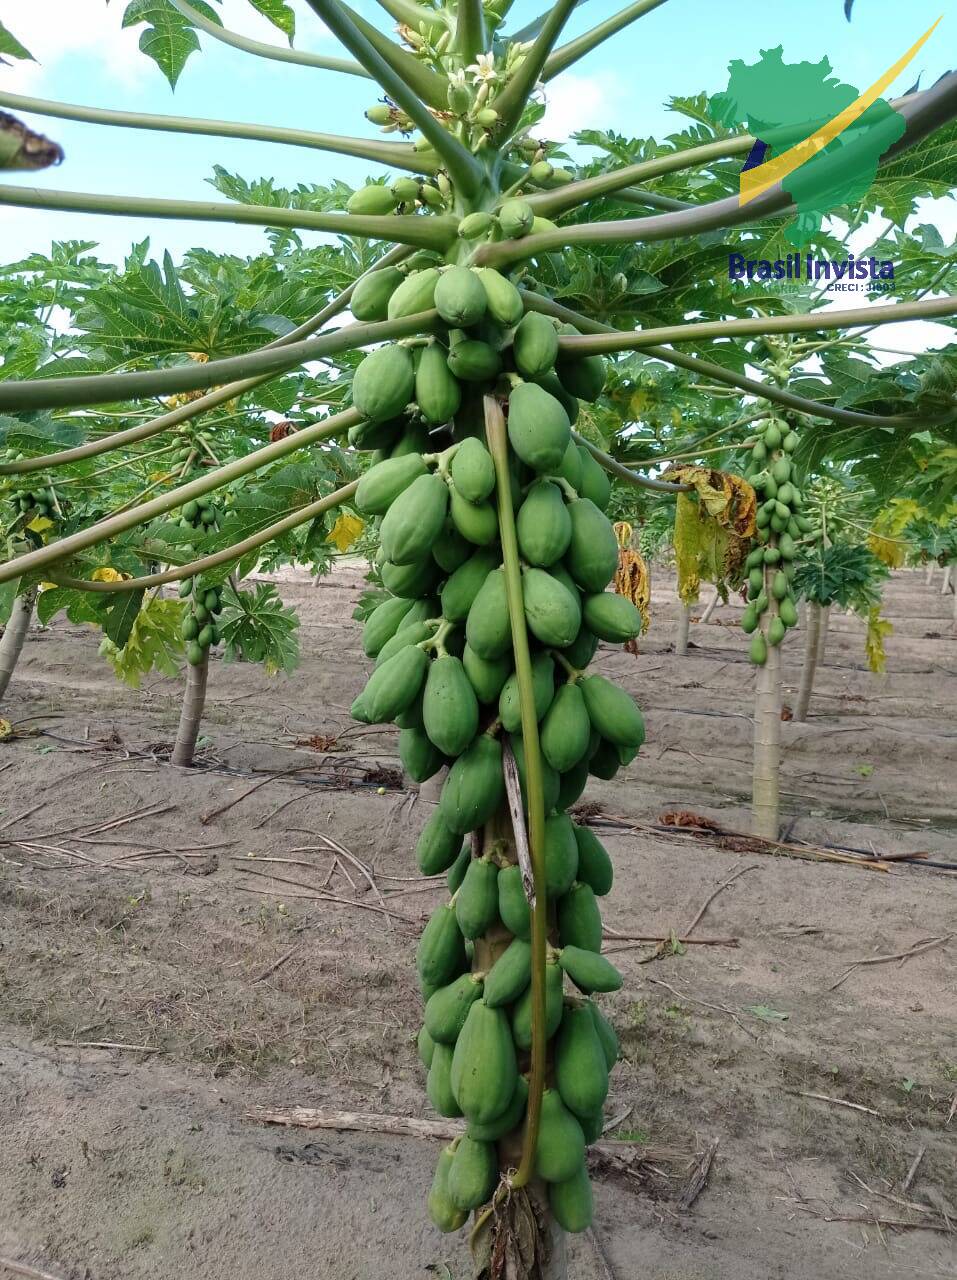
(277, 964)
(106, 1044)
(633, 940)
(719, 1008)
(614, 1123)
(912, 1171)
(872, 1219)
(315, 895)
(273, 777)
(33, 1273)
(285, 805)
(918, 949)
(953, 1110)
(711, 897)
(836, 1102)
(699, 1177)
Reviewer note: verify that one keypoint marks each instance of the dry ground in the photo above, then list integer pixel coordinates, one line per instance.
(139, 1163)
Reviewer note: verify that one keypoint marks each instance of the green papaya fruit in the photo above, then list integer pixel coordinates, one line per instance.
(426, 1047)
(773, 435)
(189, 628)
(572, 1202)
(451, 550)
(383, 624)
(437, 392)
(787, 547)
(515, 217)
(571, 468)
(749, 618)
(588, 971)
(486, 676)
(579, 920)
(581, 1071)
(612, 712)
(583, 648)
(596, 483)
(788, 612)
(475, 786)
(522, 1012)
(592, 1126)
(386, 481)
(403, 637)
(592, 555)
(538, 427)
(606, 1034)
(458, 868)
(371, 199)
(371, 294)
(395, 685)
(438, 1084)
(440, 956)
(368, 435)
(437, 847)
(449, 706)
(583, 377)
(561, 854)
(534, 345)
(476, 903)
(543, 525)
(384, 383)
(475, 225)
(776, 631)
(758, 651)
(484, 1069)
(560, 1150)
(513, 907)
(572, 783)
(414, 520)
(421, 759)
(472, 470)
(504, 300)
(463, 586)
(550, 779)
(477, 522)
(779, 585)
(552, 613)
(510, 975)
(543, 686)
(447, 1008)
(195, 653)
(487, 628)
(611, 617)
(460, 297)
(416, 293)
(444, 1214)
(411, 581)
(594, 865)
(604, 762)
(414, 439)
(473, 1174)
(510, 1118)
(474, 361)
(566, 729)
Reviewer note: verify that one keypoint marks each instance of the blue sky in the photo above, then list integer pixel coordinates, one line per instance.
(683, 47)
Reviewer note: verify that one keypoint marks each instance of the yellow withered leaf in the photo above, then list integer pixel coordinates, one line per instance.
(714, 526)
(107, 574)
(345, 531)
(632, 579)
(40, 524)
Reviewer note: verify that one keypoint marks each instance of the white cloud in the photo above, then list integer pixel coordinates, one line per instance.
(579, 102)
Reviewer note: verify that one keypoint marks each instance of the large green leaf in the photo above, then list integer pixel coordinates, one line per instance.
(11, 47)
(169, 38)
(257, 627)
(279, 14)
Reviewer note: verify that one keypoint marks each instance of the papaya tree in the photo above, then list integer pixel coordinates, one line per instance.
(495, 548)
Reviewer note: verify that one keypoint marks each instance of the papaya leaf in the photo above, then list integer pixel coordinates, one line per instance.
(169, 37)
(257, 627)
(80, 606)
(279, 14)
(877, 629)
(10, 46)
(120, 613)
(40, 434)
(154, 643)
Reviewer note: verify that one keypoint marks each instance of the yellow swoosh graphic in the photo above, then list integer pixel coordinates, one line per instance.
(756, 181)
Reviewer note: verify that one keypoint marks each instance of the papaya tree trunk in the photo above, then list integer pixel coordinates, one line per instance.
(14, 635)
(817, 619)
(765, 791)
(712, 605)
(681, 639)
(194, 699)
(929, 575)
(945, 585)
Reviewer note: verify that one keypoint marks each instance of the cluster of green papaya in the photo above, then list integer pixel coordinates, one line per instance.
(203, 515)
(781, 525)
(198, 627)
(39, 501)
(402, 196)
(445, 674)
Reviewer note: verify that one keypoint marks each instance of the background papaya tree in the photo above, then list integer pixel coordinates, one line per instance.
(473, 393)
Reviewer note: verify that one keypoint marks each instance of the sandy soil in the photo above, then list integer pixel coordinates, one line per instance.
(238, 991)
